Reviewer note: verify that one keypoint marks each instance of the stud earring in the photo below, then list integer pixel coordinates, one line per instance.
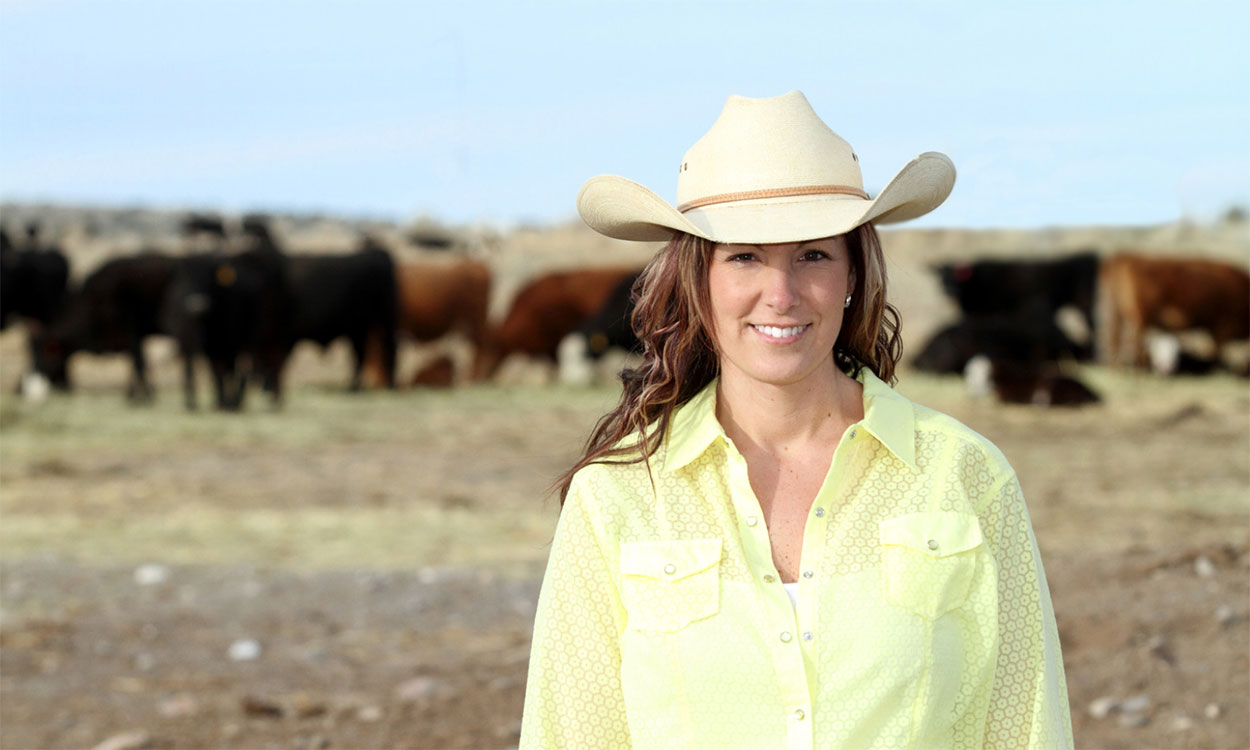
(848, 301)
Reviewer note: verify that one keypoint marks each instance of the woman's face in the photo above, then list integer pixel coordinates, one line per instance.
(777, 309)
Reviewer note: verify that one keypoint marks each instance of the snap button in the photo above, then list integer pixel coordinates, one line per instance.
(752, 520)
(820, 512)
(807, 635)
(769, 578)
(854, 433)
(670, 568)
(799, 715)
(785, 636)
(933, 544)
(809, 573)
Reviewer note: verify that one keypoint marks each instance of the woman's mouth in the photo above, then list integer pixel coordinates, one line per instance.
(781, 334)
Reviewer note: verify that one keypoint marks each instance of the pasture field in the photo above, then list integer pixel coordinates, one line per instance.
(384, 551)
(360, 570)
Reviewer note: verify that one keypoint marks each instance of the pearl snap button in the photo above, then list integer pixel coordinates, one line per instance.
(752, 520)
(785, 636)
(769, 579)
(799, 715)
(820, 512)
(933, 544)
(809, 573)
(670, 568)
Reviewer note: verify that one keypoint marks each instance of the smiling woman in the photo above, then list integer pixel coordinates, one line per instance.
(764, 545)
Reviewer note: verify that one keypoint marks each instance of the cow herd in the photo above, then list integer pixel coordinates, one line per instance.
(244, 304)
(1024, 321)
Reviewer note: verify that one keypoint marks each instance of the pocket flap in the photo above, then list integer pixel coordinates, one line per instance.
(669, 560)
(939, 534)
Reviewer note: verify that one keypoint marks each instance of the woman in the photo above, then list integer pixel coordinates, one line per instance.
(765, 546)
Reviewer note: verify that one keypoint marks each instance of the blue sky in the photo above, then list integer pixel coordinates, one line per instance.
(1055, 113)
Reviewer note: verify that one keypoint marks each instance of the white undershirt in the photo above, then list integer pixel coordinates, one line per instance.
(793, 590)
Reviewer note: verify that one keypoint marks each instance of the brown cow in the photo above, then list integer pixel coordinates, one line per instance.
(1171, 294)
(548, 309)
(436, 299)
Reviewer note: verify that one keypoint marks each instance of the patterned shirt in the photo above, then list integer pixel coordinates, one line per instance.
(923, 617)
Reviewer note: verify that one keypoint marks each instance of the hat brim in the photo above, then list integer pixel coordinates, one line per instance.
(623, 209)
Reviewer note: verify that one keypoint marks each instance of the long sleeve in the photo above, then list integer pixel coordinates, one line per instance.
(573, 695)
(1029, 700)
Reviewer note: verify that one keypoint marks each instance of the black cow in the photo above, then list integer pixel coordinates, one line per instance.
(1027, 340)
(610, 328)
(346, 295)
(33, 281)
(231, 310)
(1033, 287)
(115, 309)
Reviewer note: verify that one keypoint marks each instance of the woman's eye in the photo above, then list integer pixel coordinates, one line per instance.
(815, 255)
(741, 258)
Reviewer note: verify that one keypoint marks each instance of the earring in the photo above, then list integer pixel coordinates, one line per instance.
(848, 301)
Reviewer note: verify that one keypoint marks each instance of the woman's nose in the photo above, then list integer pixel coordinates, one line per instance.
(782, 292)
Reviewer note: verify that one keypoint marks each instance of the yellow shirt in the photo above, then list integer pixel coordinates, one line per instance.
(923, 618)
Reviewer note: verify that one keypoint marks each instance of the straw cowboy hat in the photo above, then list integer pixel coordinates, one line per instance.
(768, 171)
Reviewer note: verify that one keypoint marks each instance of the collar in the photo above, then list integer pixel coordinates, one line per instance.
(888, 417)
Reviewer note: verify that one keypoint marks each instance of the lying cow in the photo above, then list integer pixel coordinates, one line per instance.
(548, 309)
(1041, 384)
(1025, 340)
(1169, 294)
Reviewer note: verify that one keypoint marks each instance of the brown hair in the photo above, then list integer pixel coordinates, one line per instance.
(673, 322)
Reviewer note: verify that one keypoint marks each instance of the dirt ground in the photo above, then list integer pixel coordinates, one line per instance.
(360, 570)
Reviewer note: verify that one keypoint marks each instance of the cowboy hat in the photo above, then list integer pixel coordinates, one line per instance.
(768, 171)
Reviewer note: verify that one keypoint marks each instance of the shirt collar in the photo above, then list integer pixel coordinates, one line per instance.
(888, 417)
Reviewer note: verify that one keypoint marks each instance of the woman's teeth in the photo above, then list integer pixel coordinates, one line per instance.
(780, 333)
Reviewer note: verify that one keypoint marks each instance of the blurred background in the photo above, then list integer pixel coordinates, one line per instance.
(299, 325)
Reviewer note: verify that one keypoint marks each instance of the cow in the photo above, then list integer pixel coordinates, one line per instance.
(1030, 287)
(546, 310)
(1170, 294)
(1041, 384)
(33, 282)
(234, 311)
(353, 295)
(117, 306)
(436, 299)
(609, 328)
(1025, 340)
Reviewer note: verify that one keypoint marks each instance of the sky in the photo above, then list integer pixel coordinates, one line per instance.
(1055, 113)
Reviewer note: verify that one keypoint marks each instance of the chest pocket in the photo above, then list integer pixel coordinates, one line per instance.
(928, 560)
(667, 585)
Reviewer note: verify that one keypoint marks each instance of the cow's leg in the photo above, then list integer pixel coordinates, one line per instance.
(223, 383)
(390, 346)
(360, 341)
(188, 380)
(140, 390)
(273, 367)
(241, 374)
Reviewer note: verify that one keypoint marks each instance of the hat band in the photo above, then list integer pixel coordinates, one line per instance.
(750, 195)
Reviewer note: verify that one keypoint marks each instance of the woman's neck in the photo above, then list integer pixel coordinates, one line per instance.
(774, 418)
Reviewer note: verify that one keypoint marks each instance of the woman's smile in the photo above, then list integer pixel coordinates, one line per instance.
(776, 334)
